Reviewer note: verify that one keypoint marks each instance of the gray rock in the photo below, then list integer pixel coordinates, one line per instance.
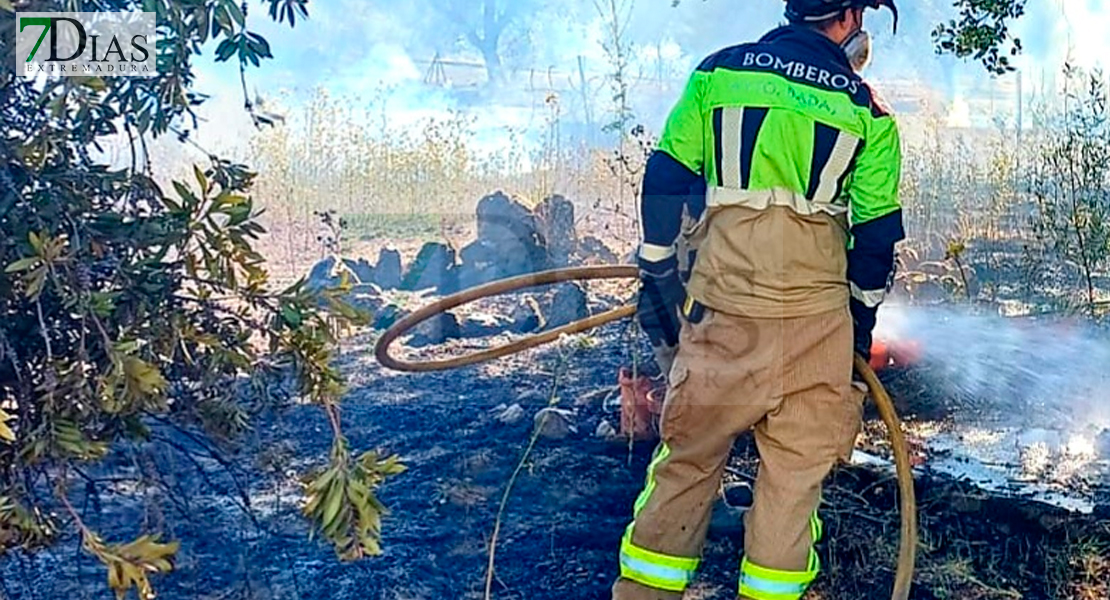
(387, 273)
(362, 270)
(555, 222)
(533, 397)
(508, 243)
(366, 296)
(936, 269)
(479, 325)
(592, 251)
(727, 517)
(929, 292)
(478, 266)
(435, 331)
(511, 415)
(388, 315)
(342, 269)
(568, 304)
(605, 430)
(503, 221)
(432, 269)
(322, 275)
(554, 423)
(526, 317)
(366, 288)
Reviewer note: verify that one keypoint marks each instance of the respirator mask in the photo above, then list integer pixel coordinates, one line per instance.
(858, 48)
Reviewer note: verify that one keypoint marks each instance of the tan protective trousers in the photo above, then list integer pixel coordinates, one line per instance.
(790, 378)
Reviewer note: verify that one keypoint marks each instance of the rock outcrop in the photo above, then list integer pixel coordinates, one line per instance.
(511, 240)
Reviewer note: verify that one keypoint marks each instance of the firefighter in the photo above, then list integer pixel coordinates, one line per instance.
(794, 254)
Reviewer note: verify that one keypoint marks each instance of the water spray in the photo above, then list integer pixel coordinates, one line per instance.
(1016, 371)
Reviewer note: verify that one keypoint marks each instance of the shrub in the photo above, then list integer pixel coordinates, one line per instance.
(121, 302)
(1071, 183)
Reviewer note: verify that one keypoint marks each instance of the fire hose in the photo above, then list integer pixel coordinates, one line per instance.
(907, 551)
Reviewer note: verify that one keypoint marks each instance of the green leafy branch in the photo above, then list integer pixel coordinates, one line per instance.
(135, 304)
(130, 564)
(982, 32)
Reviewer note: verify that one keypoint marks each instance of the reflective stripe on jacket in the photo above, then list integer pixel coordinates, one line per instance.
(802, 165)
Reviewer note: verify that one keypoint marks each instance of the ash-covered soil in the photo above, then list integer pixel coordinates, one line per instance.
(567, 511)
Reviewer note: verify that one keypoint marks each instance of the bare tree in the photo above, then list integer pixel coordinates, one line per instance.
(484, 24)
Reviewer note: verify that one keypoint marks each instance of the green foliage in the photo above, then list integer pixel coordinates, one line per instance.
(982, 33)
(23, 526)
(341, 500)
(129, 564)
(121, 301)
(1071, 182)
(369, 226)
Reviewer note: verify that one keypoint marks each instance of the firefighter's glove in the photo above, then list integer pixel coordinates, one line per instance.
(661, 296)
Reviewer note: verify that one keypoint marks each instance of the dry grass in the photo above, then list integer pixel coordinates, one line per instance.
(407, 186)
(462, 494)
(422, 183)
(972, 546)
(1080, 569)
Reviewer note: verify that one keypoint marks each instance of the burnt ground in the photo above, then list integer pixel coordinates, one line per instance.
(563, 522)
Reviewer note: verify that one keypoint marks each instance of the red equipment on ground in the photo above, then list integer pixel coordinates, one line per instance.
(886, 354)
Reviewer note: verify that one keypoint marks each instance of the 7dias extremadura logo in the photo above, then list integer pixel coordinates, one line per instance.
(94, 44)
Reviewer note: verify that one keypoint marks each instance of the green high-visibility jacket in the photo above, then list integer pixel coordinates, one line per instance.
(801, 163)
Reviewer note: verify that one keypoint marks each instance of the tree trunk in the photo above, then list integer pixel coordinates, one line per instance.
(493, 25)
(492, 59)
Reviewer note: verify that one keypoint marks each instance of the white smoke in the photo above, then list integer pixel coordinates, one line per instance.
(1021, 372)
(383, 56)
